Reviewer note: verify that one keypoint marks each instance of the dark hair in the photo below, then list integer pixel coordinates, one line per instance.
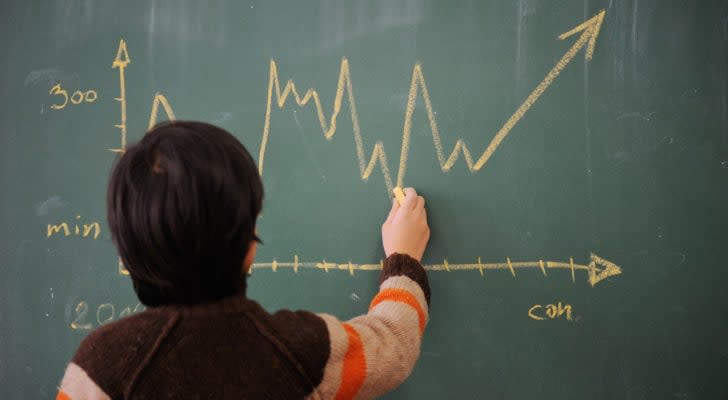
(182, 205)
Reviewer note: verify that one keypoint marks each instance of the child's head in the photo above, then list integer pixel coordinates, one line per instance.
(182, 205)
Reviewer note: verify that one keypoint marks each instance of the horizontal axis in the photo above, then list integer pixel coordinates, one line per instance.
(595, 274)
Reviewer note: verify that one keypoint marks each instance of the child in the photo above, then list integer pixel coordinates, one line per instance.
(182, 205)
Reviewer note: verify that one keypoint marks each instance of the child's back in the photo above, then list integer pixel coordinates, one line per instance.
(201, 337)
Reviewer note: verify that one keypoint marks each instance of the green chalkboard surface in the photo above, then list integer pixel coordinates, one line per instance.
(574, 156)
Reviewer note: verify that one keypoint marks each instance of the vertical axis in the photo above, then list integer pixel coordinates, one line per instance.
(121, 61)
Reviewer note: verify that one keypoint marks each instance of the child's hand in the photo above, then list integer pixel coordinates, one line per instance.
(405, 231)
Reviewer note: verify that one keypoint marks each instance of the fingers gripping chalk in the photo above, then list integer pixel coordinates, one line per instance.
(399, 195)
(405, 231)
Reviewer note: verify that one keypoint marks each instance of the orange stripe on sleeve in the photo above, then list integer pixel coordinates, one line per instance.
(355, 366)
(401, 296)
(62, 396)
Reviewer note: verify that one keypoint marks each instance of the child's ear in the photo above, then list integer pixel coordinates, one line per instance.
(250, 256)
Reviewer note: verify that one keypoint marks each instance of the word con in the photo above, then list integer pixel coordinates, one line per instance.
(78, 97)
(92, 229)
(103, 314)
(550, 311)
(589, 33)
(597, 270)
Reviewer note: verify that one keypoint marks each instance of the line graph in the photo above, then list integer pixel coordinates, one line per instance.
(597, 269)
(418, 88)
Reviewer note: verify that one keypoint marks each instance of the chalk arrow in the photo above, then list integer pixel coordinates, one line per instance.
(597, 270)
(596, 274)
(590, 29)
(121, 61)
(122, 56)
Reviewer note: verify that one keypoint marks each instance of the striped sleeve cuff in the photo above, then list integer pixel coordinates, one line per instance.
(374, 353)
(403, 265)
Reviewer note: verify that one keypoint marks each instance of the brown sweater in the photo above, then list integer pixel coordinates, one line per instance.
(234, 349)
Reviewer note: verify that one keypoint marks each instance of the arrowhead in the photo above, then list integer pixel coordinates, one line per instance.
(122, 56)
(591, 29)
(596, 274)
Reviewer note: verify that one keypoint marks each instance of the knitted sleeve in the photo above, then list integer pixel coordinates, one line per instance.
(374, 353)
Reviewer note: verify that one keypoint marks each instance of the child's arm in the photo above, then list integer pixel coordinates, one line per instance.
(374, 353)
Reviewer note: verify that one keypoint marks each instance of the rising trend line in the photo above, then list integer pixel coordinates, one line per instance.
(597, 270)
(589, 33)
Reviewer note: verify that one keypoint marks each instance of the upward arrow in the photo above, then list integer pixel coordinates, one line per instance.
(590, 32)
(590, 29)
(122, 56)
(121, 61)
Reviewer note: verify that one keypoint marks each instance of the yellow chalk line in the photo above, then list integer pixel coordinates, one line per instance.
(121, 61)
(594, 274)
(590, 31)
(446, 266)
(160, 99)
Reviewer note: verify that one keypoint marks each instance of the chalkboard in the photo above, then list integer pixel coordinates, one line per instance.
(574, 157)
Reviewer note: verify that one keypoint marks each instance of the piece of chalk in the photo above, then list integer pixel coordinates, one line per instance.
(399, 195)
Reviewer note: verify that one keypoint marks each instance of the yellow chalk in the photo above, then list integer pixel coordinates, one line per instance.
(399, 195)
